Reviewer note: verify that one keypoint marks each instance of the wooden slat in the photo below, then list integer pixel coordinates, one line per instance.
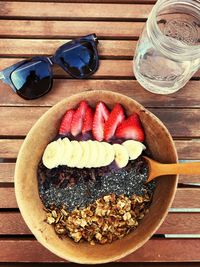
(187, 149)
(7, 172)
(106, 48)
(71, 10)
(9, 148)
(12, 223)
(181, 123)
(93, 1)
(185, 198)
(108, 69)
(64, 29)
(186, 97)
(156, 250)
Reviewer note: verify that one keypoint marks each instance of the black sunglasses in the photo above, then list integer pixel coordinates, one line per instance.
(33, 77)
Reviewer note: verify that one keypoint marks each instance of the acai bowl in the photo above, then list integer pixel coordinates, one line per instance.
(80, 209)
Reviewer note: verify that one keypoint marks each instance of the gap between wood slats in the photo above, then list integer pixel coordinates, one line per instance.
(74, 29)
(156, 250)
(180, 122)
(187, 149)
(12, 223)
(185, 198)
(72, 10)
(185, 97)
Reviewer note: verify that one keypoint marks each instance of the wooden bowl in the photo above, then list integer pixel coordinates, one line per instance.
(161, 146)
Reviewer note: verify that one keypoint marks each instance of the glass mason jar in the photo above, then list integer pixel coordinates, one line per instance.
(168, 51)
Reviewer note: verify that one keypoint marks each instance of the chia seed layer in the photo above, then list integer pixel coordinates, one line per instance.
(77, 188)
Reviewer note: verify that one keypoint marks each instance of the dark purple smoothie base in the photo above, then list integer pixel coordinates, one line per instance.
(77, 188)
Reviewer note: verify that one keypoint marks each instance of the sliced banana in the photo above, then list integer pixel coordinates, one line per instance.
(85, 155)
(100, 150)
(93, 154)
(52, 156)
(68, 150)
(121, 155)
(76, 154)
(134, 148)
(109, 153)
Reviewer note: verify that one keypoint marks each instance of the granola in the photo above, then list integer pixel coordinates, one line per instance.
(109, 218)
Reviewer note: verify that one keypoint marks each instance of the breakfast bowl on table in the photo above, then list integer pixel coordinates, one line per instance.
(80, 177)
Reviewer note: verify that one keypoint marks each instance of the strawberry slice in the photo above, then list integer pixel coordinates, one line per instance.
(77, 120)
(115, 118)
(65, 126)
(88, 120)
(131, 129)
(100, 117)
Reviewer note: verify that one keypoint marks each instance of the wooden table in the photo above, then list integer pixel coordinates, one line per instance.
(38, 28)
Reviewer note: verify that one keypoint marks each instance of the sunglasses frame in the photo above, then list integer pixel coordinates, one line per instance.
(5, 75)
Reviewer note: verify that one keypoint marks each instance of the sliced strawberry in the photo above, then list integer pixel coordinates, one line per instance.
(65, 126)
(77, 120)
(100, 117)
(131, 129)
(88, 120)
(115, 118)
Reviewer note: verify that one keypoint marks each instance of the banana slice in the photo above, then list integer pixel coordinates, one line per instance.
(68, 150)
(93, 154)
(134, 148)
(52, 156)
(85, 155)
(61, 149)
(75, 155)
(121, 155)
(109, 155)
(100, 150)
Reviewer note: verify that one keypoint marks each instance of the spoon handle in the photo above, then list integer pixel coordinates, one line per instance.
(178, 168)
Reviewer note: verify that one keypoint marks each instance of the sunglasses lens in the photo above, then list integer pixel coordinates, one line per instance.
(81, 60)
(32, 79)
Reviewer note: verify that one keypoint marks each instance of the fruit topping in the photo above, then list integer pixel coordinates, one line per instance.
(134, 148)
(115, 118)
(131, 128)
(52, 156)
(88, 120)
(65, 126)
(100, 117)
(121, 155)
(78, 118)
(90, 154)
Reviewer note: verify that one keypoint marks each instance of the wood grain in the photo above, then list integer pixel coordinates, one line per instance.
(94, 1)
(185, 198)
(106, 48)
(7, 172)
(156, 250)
(181, 123)
(12, 223)
(187, 149)
(9, 148)
(186, 97)
(70, 10)
(37, 28)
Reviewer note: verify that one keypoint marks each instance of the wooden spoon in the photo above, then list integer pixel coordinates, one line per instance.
(157, 169)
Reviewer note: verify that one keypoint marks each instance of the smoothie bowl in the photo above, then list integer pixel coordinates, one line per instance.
(80, 177)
